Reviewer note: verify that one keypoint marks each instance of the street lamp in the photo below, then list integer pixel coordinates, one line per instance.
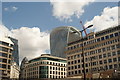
(83, 51)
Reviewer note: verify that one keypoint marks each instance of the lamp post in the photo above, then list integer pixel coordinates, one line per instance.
(83, 51)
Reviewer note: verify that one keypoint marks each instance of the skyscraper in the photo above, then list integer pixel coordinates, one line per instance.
(15, 52)
(59, 38)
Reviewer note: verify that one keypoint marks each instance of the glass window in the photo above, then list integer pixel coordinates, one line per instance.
(104, 55)
(100, 56)
(109, 54)
(118, 52)
(111, 35)
(78, 66)
(113, 47)
(118, 58)
(116, 34)
(108, 48)
(79, 71)
(110, 66)
(102, 38)
(105, 61)
(118, 45)
(113, 53)
(107, 37)
(75, 67)
(78, 61)
(100, 62)
(109, 60)
(98, 39)
(114, 59)
(75, 72)
(103, 49)
(115, 65)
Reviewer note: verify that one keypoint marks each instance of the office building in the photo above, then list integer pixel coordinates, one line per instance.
(101, 51)
(22, 68)
(15, 53)
(6, 48)
(44, 67)
(59, 37)
(14, 73)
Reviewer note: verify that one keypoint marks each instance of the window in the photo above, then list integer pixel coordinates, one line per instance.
(78, 66)
(114, 59)
(100, 56)
(103, 49)
(118, 45)
(118, 52)
(102, 38)
(100, 62)
(104, 55)
(108, 48)
(109, 60)
(115, 65)
(3, 65)
(75, 72)
(111, 35)
(105, 61)
(98, 39)
(72, 62)
(107, 37)
(78, 61)
(4, 55)
(68, 63)
(99, 50)
(118, 58)
(75, 67)
(75, 61)
(79, 71)
(116, 34)
(113, 53)
(110, 66)
(113, 47)
(109, 54)
(4, 60)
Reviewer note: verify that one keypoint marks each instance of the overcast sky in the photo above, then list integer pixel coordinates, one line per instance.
(31, 22)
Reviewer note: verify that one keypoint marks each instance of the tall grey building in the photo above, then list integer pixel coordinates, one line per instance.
(15, 52)
(59, 38)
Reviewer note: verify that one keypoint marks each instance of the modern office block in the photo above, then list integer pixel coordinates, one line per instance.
(101, 51)
(15, 52)
(43, 67)
(59, 37)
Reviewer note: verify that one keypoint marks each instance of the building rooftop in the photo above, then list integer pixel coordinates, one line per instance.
(6, 39)
(48, 57)
(99, 33)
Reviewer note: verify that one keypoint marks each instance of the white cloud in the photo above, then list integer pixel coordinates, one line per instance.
(5, 9)
(108, 18)
(65, 9)
(4, 31)
(12, 8)
(32, 42)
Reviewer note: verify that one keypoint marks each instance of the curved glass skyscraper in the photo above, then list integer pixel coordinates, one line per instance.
(59, 38)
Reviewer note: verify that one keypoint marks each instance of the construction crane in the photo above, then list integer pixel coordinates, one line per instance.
(84, 29)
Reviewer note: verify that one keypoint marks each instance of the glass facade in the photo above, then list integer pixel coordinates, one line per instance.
(15, 52)
(59, 38)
